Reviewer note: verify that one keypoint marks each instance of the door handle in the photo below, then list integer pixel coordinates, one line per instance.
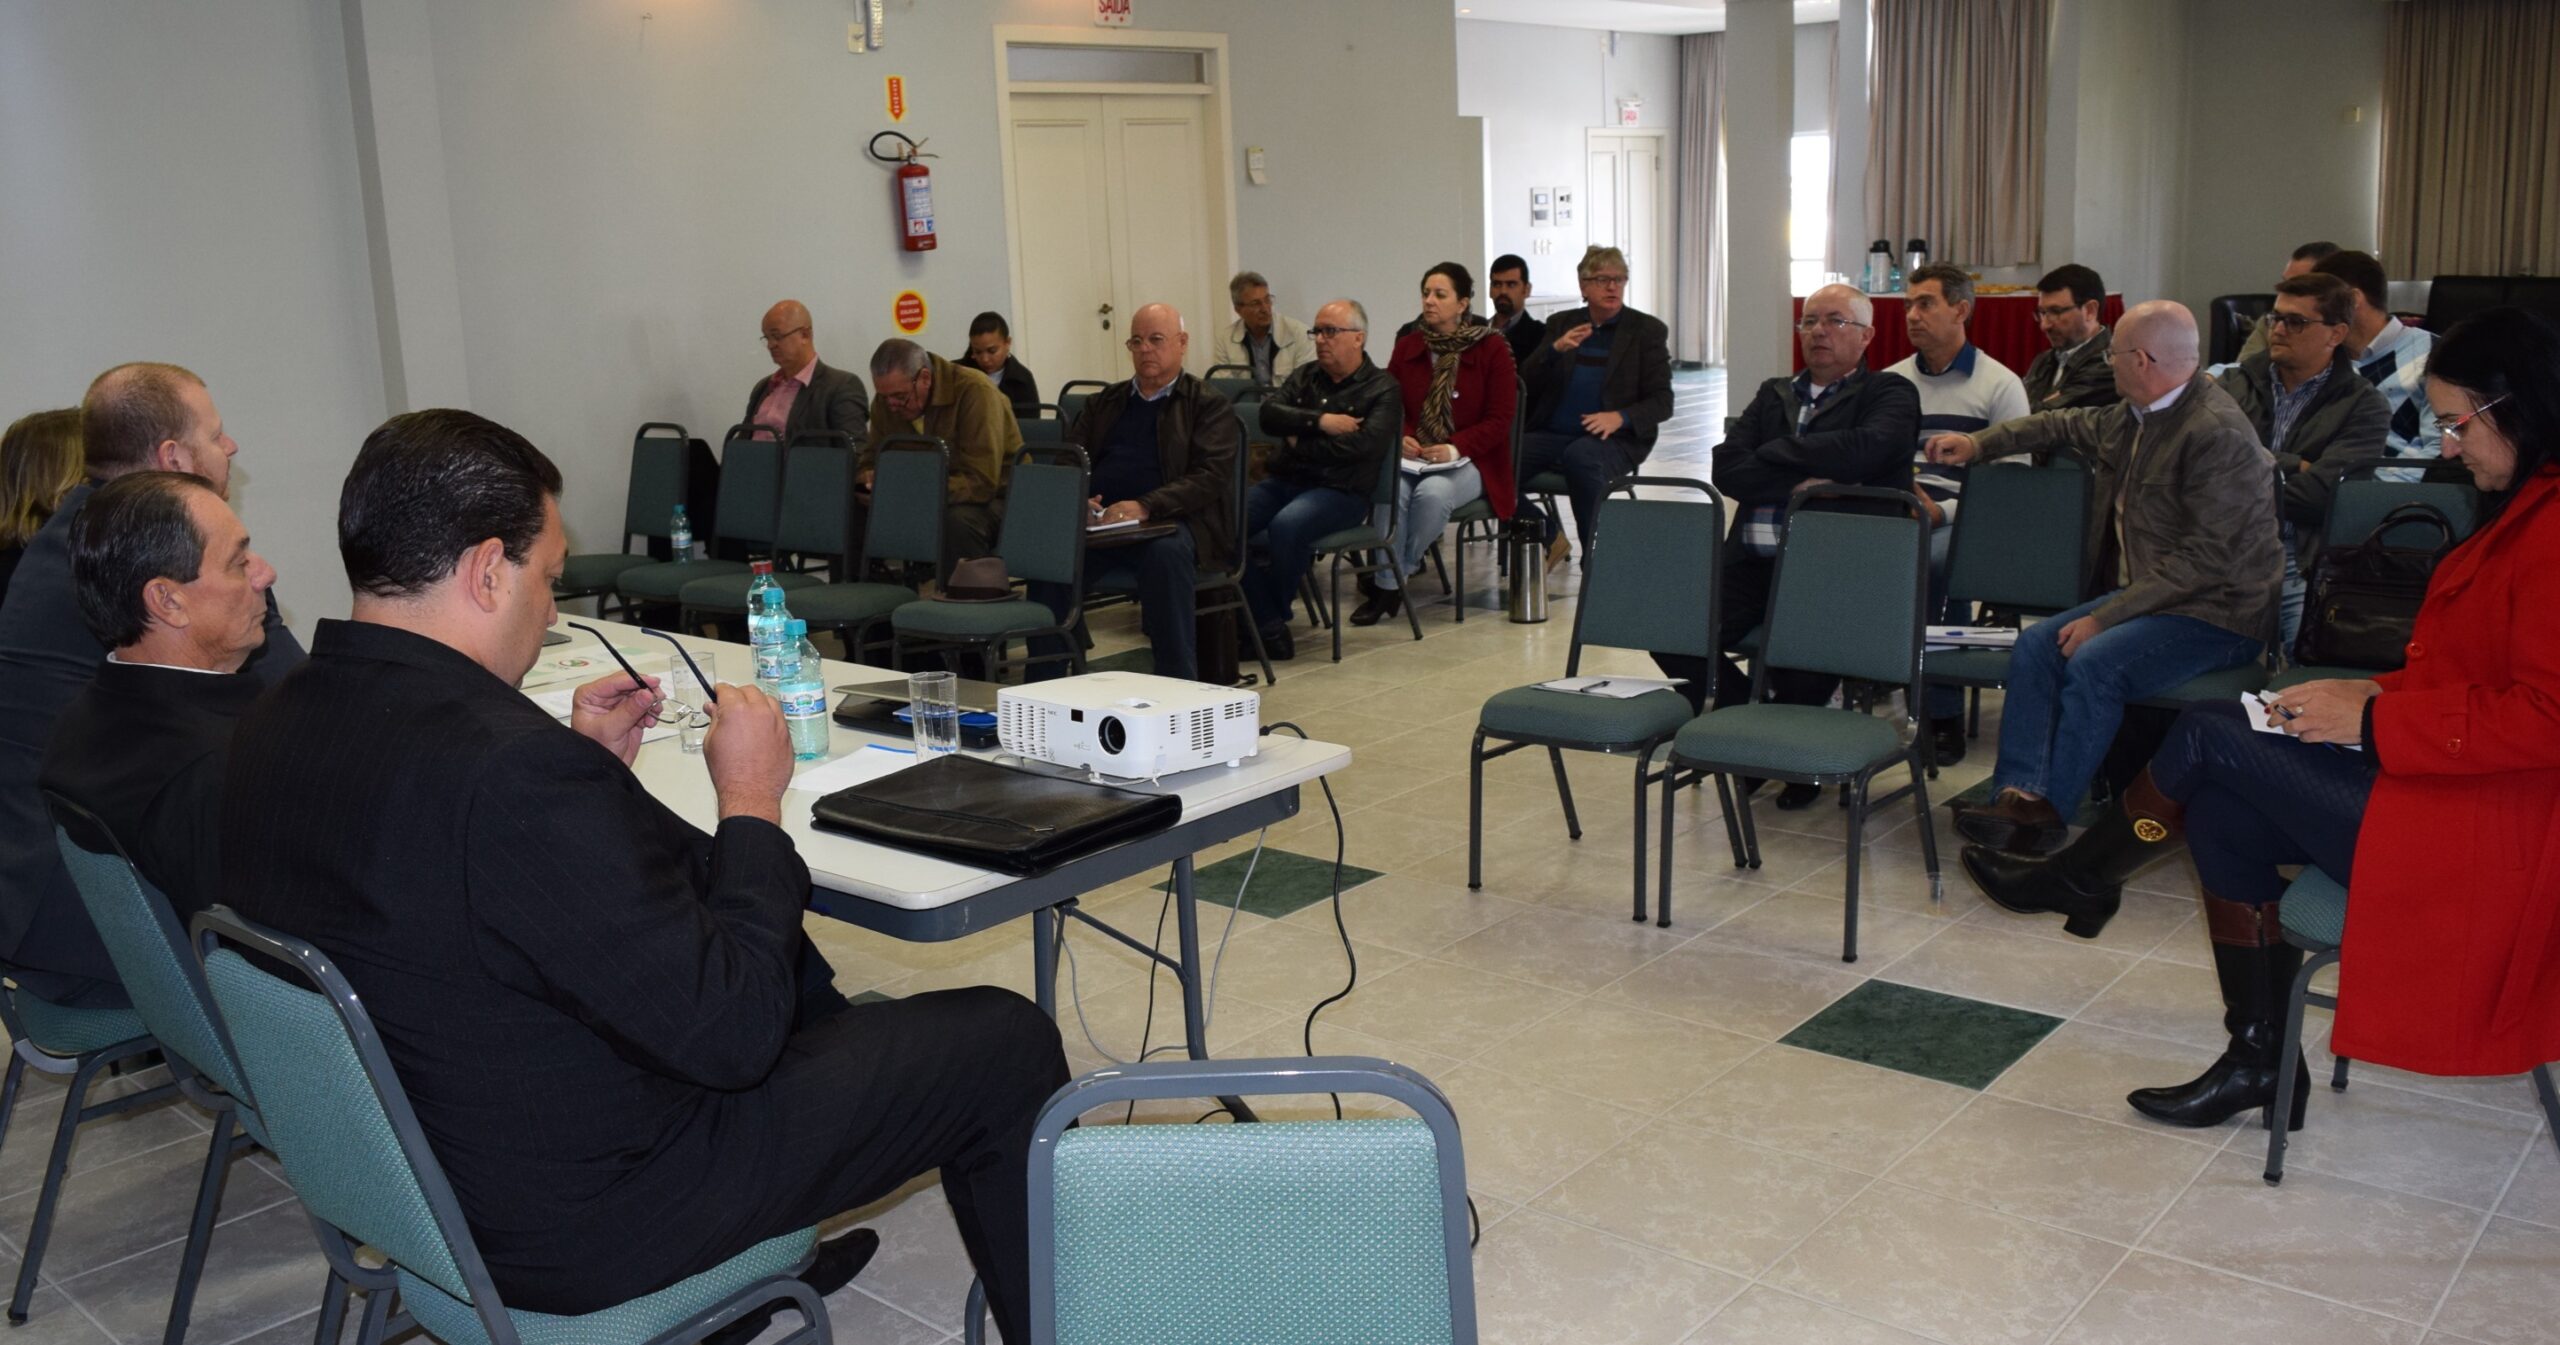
(1105, 312)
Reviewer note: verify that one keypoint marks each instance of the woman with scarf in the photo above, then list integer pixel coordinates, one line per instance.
(1460, 392)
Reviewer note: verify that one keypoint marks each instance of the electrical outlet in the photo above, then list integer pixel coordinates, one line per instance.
(853, 38)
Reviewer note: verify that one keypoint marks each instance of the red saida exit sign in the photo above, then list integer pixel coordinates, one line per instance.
(1112, 13)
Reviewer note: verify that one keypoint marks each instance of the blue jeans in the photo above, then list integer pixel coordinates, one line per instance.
(1428, 501)
(2256, 802)
(1290, 516)
(1589, 464)
(2061, 713)
(1165, 574)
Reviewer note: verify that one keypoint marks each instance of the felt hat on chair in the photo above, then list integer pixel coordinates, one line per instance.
(983, 579)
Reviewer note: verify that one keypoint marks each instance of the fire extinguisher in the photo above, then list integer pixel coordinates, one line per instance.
(912, 188)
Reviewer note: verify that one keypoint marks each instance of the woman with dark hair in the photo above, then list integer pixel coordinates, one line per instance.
(40, 461)
(2432, 792)
(1460, 392)
(991, 353)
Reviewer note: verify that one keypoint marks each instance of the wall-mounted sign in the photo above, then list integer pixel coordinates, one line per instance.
(1112, 13)
(908, 312)
(897, 93)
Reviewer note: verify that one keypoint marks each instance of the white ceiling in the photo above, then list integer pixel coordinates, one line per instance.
(1628, 16)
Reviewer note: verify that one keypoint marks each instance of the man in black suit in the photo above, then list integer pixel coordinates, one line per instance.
(166, 580)
(802, 394)
(135, 417)
(1507, 284)
(1599, 390)
(591, 1004)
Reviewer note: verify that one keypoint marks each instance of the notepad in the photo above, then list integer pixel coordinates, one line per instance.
(1971, 637)
(1417, 467)
(2254, 705)
(1612, 688)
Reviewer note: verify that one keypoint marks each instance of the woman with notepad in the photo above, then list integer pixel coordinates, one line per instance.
(2431, 791)
(1460, 392)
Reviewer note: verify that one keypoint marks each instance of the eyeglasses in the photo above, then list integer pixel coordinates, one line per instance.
(777, 338)
(1150, 341)
(2056, 314)
(2453, 428)
(2115, 353)
(668, 709)
(2294, 322)
(1322, 332)
(1831, 320)
(1615, 280)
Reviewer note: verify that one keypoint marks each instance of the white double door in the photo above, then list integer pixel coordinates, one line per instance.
(1110, 199)
(1628, 207)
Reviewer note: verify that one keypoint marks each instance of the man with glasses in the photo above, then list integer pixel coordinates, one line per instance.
(2074, 372)
(1341, 419)
(2300, 263)
(923, 393)
(1261, 339)
(802, 394)
(1599, 390)
(1163, 448)
(2312, 410)
(2182, 544)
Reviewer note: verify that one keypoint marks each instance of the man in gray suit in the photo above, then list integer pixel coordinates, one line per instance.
(802, 395)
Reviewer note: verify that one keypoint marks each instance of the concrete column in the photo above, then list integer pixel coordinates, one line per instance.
(1759, 117)
(417, 290)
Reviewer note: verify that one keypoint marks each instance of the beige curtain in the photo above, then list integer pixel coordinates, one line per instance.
(2471, 138)
(1955, 147)
(1698, 307)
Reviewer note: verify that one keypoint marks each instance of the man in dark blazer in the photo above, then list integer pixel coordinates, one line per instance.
(1599, 390)
(802, 394)
(2073, 371)
(166, 580)
(1506, 283)
(135, 417)
(1163, 449)
(593, 1006)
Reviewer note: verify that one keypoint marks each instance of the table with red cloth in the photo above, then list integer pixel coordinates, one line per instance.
(2003, 327)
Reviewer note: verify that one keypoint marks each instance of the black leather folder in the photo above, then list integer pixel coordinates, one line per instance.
(993, 817)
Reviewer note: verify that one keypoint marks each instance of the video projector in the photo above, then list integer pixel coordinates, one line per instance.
(1132, 726)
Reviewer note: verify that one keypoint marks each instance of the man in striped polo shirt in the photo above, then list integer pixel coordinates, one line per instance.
(1961, 390)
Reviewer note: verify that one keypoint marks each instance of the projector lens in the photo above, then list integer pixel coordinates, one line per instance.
(1114, 736)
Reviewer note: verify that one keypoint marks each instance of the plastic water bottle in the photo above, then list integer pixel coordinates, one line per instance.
(767, 634)
(680, 535)
(1893, 280)
(804, 695)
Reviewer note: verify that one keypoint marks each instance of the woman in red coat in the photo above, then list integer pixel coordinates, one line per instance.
(2432, 792)
(1460, 392)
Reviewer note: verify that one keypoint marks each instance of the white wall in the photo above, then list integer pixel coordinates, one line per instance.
(180, 185)
(1538, 89)
(2124, 174)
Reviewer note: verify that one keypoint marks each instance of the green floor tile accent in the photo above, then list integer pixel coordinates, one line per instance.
(1282, 883)
(1944, 1037)
(1981, 793)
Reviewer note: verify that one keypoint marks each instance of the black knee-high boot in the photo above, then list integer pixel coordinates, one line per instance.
(2256, 968)
(2084, 881)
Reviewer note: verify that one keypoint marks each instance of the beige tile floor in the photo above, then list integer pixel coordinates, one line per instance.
(1650, 1165)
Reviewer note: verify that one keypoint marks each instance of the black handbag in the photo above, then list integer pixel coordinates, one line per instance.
(2363, 600)
(996, 817)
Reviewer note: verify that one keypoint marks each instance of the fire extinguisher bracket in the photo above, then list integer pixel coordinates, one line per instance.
(911, 188)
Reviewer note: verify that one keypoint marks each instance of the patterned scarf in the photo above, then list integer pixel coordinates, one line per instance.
(1438, 426)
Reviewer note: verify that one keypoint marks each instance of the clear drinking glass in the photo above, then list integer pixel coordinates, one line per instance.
(933, 704)
(688, 700)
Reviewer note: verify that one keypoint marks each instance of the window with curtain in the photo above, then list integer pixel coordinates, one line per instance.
(2471, 138)
(1955, 146)
(1808, 212)
(1698, 258)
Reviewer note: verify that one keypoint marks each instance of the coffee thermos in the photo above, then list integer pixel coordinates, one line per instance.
(1915, 255)
(1879, 267)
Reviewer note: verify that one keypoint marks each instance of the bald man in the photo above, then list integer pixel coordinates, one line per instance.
(2184, 556)
(1163, 448)
(802, 394)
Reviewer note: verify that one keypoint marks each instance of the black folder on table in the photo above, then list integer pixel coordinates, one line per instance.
(993, 817)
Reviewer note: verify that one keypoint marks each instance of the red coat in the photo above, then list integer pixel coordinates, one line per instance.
(2453, 919)
(1487, 397)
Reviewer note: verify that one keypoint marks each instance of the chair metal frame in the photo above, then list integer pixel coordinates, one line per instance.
(1643, 751)
(1291, 1075)
(1367, 558)
(1068, 457)
(1739, 831)
(641, 440)
(222, 932)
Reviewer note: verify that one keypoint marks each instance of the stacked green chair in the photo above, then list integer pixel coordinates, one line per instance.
(1475, 519)
(1046, 425)
(909, 478)
(1650, 584)
(1368, 547)
(1043, 541)
(659, 454)
(2018, 547)
(2314, 916)
(161, 975)
(1849, 600)
(353, 1151)
(749, 506)
(814, 526)
(1280, 1232)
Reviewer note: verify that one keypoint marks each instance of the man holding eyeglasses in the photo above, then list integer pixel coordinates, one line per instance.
(1342, 418)
(802, 394)
(2074, 372)
(1599, 390)
(2182, 543)
(2312, 410)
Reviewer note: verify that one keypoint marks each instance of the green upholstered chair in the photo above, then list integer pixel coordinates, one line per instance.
(1849, 601)
(909, 478)
(750, 504)
(1043, 541)
(814, 526)
(1044, 426)
(353, 1151)
(1368, 546)
(2361, 504)
(2018, 548)
(1071, 397)
(656, 485)
(1327, 1232)
(1649, 584)
(1475, 520)
(166, 984)
(1233, 382)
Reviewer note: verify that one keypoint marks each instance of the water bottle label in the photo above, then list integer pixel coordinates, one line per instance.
(804, 700)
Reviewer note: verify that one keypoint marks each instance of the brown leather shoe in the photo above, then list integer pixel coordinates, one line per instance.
(2015, 823)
